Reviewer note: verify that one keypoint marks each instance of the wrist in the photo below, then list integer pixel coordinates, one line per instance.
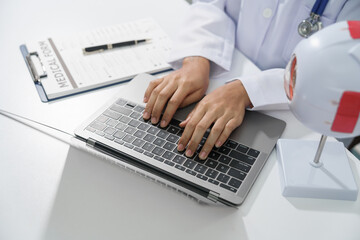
(196, 61)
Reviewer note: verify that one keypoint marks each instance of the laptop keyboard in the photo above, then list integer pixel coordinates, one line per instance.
(226, 166)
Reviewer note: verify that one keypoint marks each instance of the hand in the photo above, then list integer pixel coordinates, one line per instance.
(178, 89)
(225, 108)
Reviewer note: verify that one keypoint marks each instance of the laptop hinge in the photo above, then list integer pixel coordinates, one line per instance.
(213, 196)
(90, 142)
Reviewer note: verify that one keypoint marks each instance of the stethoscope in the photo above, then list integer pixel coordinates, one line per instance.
(313, 24)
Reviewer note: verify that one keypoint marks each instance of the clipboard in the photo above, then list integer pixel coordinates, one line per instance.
(59, 68)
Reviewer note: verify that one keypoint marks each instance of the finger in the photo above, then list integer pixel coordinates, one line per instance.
(172, 105)
(190, 127)
(165, 93)
(193, 97)
(153, 84)
(151, 102)
(215, 132)
(229, 127)
(183, 123)
(199, 132)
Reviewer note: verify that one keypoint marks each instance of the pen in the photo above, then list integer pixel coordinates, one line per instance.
(100, 48)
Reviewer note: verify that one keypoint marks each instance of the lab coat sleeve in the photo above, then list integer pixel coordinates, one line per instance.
(207, 31)
(266, 89)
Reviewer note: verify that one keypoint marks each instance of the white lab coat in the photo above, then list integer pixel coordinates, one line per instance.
(264, 30)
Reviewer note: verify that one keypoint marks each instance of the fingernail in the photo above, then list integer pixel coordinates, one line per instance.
(145, 99)
(188, 153)
(218, 144)
(180, 148)
(203, 155)
(146, 115)
(163, 123)
(154, 120)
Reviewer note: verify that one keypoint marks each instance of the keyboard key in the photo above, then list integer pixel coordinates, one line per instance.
(121, 110)
(211, 173)
(102, 119)
(173, 130)
(148, 154)
(254, 153)
(109, 131)
(197, 159)
(109, 137)
(180, 132)
(153, 130)
(98, 126)
(169, 146)
(175, 122)
(111, 122)
(90, 129)
(130, 105)
(130, 130)
(190, 172)
(139, 134)
(189, 164)
(119, 141)
(99, 133)
(158, 151)
(128, 138)
(121, 126)
(223, 178)
(119, 134)
(169, 163)
(211, 163)
(138, 142)
(213, 181)
(135, 115)
(162, 134)
(159, 142)
(125, 119)
(128, 145)
(222, 168)
(231, 144)
(143, 126)
(234, 183)
(168, 155)
(242, 157)
(200, 168)
(232, 189)
(172, 138)
(237, 174)
(224, 159)
(224, 150)
(138, 150)
(214, 155)
(179, 159)
(148, 147)
(160, 159)
(149, 137)
(111, 114)
(134, 123)
(242, 148)
(180, 167)
(138, 109)
(239, 165)
(202, 177)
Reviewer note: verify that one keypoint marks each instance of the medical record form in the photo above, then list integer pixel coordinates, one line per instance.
(60, 66)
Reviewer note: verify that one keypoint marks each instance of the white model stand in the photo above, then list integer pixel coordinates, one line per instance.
(330, 178)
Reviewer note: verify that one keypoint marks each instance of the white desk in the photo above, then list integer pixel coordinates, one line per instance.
(49, 190)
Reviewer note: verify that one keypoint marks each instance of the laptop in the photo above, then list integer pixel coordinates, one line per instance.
(118, 130)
